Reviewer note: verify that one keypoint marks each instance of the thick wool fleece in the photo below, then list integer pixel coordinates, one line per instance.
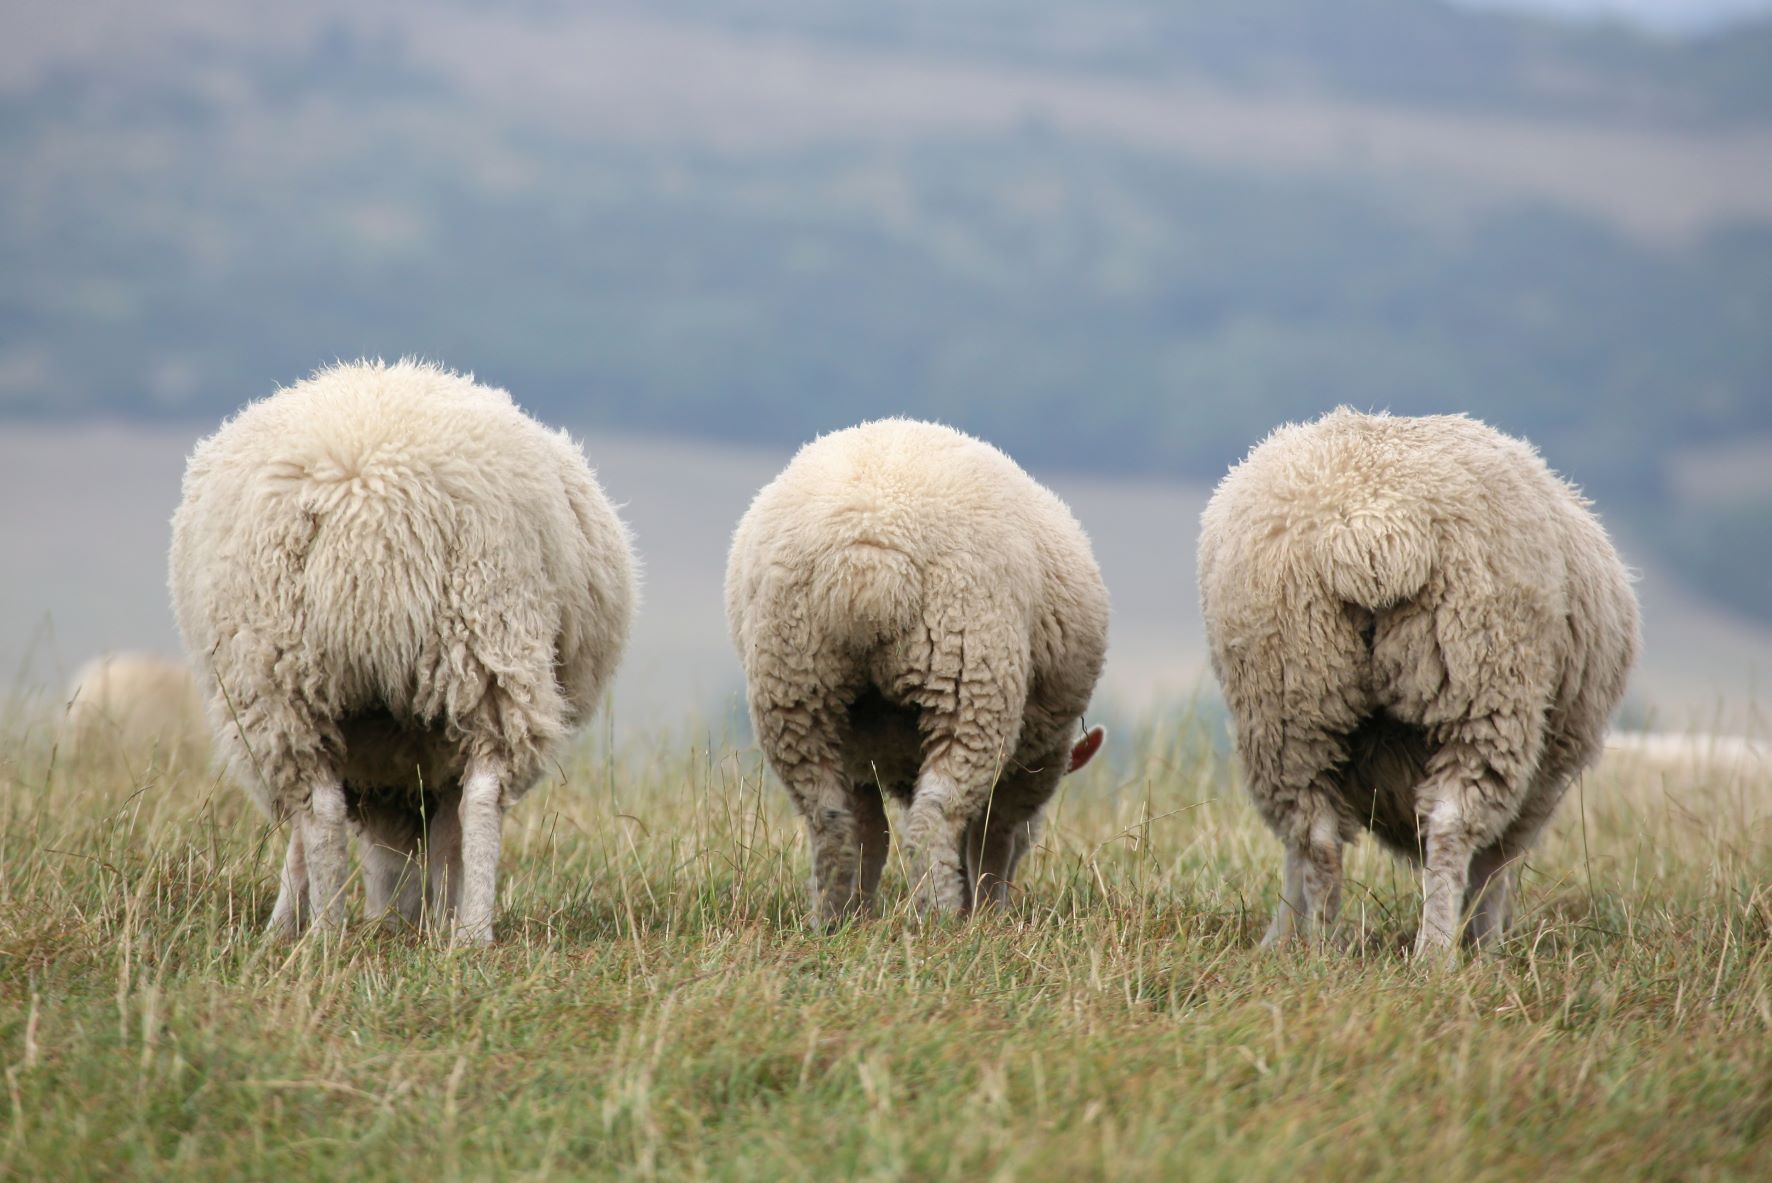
(135, 703)
(1420, 630)
(915, 613)
(390, 577)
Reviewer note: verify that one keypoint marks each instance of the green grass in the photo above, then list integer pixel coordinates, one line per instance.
(657, 1006)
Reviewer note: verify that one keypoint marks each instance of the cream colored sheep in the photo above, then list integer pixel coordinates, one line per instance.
(916, 614)
(135, 704)
(1421, 631)
(401, 593)
(1672, 760)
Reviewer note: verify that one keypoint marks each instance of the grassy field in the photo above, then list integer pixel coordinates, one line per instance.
(657, 1006)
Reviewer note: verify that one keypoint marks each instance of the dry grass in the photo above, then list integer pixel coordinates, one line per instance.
(657, 1007)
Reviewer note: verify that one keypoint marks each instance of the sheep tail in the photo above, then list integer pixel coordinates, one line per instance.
(881, 585)
(1376, 560)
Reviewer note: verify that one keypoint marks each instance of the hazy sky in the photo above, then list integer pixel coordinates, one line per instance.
(1677, 16)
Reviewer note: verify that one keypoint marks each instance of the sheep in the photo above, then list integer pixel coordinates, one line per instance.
(401, 594)
(1421, 631)
(133, 703)
(1658, 758)
(915, 614)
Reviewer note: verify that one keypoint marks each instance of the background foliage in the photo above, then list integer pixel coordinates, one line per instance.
(191, 217)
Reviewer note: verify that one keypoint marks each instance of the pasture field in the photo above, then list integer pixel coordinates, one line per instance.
(658, 1008)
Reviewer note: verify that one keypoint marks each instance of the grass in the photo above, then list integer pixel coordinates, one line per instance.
(658, 1008)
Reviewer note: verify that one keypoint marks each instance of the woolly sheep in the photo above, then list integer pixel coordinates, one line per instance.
(135, 703)
(915, 613)
(1421, 631)
(1683, 757)
(401, 592)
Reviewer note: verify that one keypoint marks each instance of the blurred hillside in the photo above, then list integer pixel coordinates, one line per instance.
(1123, 236)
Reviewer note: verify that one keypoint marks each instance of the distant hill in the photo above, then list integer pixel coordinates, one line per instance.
(1127, 236)
(1412, 52)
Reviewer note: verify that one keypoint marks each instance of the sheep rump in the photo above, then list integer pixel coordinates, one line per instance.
(400, 593)
(1420, 630)
(131, 704)
(915, 614)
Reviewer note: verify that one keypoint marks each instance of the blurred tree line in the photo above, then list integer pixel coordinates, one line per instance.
(1084, 304)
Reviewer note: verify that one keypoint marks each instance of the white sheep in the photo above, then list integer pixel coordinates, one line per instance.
(1686, 758)
(135, 703)
(401, 592)
(1420, 631)
(915, 613)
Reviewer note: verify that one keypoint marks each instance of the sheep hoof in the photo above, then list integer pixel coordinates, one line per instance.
(1335, 939)
(477, 936)
(1435, 950)
(933, 912)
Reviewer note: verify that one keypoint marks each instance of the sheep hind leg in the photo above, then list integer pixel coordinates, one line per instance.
(324, 842)
(1495, 871)
(406, 907)
(1027, 837)
(482, 821)
(1458, 819)
(966, 743)
(1291, 907)
(935, 830)
(1495, 875)
(1488, 897)
(290, 914)
(994, 845)
(1310, 893)
(834, 831)
(393, 880)
(440, 859)
(807, 757)
(973, 888)
(1446, 869)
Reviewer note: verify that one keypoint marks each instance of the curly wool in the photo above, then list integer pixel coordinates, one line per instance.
(1420, 630)
(915, 613)
(388, 574)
